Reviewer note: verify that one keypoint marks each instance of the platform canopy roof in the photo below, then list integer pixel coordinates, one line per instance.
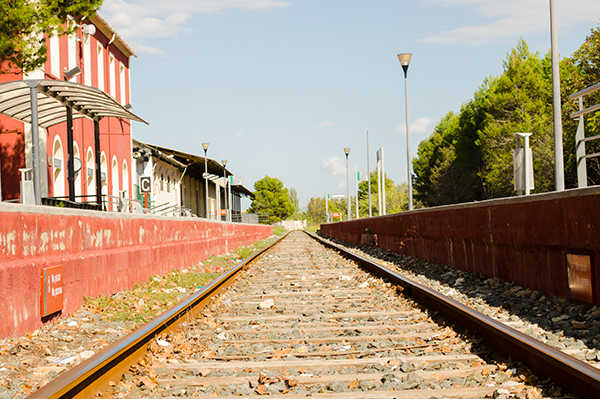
(53, 97)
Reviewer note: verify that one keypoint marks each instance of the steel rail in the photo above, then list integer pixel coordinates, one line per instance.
(89, 377)
(577, 376)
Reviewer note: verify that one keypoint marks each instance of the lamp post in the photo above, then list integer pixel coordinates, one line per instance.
(205, 148)
(559, 175)
(369, 174)
(404, 59)
(224, 162)
(346, 152)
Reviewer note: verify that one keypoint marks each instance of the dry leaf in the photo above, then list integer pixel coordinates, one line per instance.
(353, 384)
(261, 389)
(486, 371)
(291, 382)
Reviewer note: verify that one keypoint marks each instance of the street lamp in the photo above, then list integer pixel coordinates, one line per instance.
(559, 175)
(205, 147)
(224, 162)
(346, 152)
(404, 59)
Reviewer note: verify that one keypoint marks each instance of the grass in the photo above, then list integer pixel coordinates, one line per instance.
(148, 299)
(279, 230)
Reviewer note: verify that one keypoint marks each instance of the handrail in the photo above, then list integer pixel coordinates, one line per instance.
(584, 92)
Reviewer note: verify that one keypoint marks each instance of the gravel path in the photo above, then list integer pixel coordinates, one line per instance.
(304, 321)
(573, 328)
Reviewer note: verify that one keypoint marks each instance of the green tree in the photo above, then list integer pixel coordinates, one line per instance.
(23, 24)
(396, 197)
(294, 199)
(271, 199)
(578, 72)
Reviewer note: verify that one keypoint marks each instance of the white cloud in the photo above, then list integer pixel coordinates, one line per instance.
(335, 165)
(326, 124)
(140, 20)
(418, 126)
(513, 18)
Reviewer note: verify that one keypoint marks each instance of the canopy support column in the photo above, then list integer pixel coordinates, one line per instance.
(35, 144)
(97, 160)
(71, 161)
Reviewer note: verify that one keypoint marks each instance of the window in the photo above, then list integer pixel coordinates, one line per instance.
(122, 84)
(77, 156)
(103, 171)
(72, 54)
(111, 75)
(87, 60)
(58, 173)
(90, 172)
(125, 179)
(100, 67)
(55, 56)
(115, 177)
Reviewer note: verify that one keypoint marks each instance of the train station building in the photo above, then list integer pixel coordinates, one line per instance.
(177, 184)
(95, 56)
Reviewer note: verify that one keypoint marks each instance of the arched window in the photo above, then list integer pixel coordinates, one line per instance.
(77, 156)
(114, 174)
(103, 173)
(90, 174)
(125, 179)
(58, 168)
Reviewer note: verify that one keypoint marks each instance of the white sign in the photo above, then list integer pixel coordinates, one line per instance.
(145, 184)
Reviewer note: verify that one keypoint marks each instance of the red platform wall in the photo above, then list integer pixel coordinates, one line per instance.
(101, 253)
(522, 239)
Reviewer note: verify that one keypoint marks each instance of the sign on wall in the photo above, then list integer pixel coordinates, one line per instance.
(145, 184)
(51, 300)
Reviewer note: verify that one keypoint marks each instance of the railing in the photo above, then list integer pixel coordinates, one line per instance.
(580, 138)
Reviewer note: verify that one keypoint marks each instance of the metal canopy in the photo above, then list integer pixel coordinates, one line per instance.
(53, 97)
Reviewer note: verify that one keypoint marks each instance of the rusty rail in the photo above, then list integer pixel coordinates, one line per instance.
(91, 376)
(580, 378)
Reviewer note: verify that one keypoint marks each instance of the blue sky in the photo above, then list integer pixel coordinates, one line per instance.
(280, 87)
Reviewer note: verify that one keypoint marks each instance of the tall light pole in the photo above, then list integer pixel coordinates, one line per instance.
(205, 147)
(346, 152)
(224, 162)
(559, 174)
(404, 59)
(369, 174)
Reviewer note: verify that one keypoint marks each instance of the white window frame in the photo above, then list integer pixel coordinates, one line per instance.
(100, 66)
(55, 56)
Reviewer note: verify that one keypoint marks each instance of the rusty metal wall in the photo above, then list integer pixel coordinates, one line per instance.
(522, 239)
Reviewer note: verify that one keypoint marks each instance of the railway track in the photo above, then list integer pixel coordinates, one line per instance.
(304, 320)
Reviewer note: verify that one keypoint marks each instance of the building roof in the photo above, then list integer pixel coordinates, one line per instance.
(53, 96)
(108, 31)
(195, 165)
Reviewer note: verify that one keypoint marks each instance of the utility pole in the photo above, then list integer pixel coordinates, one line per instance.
(347, 151)
(369, 174)
(559, 174)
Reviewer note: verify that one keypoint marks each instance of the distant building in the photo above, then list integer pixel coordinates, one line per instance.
(104, 60)
(177, 183)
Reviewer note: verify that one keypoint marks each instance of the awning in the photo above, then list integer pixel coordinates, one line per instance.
(53, 96)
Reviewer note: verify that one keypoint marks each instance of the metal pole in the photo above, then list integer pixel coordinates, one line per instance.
(347, 190)
(326, 208)
(225, 194)
(580, 150)
(35, 139)
(205, 185)
(559, 175)
(229, 201)
(71, 160)
(369, 175)
(97, 160)
(356, 193)
(409, 179)
(378, 185)
(526, 166)
(383, 196)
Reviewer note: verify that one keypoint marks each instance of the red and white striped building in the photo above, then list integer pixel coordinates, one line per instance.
(104, 59)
